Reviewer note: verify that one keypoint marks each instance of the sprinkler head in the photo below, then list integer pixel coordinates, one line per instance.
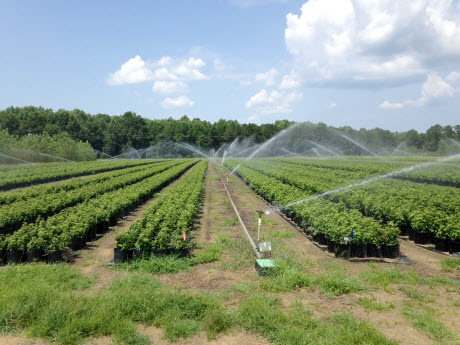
(260, 212)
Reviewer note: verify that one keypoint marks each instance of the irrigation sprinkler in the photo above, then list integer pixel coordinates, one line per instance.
(263, 265)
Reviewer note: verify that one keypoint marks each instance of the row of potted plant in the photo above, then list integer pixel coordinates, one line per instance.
(13, 215)
(66, 185)
(334, 220)
(75, 225)
(16, 178)
(165, 226)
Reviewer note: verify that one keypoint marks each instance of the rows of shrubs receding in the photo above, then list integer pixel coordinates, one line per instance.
(48, 239)
(165, 227)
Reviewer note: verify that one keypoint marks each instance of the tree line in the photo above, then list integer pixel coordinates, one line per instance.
(117, 134)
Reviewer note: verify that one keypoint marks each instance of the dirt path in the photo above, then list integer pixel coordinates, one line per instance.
(217, 221)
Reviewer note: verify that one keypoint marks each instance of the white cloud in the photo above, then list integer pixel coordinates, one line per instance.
(136, 70)
(132, 71)
(332, 105)
(268, 78)
(178, 102)
(364, 42)
(435, 89)
(389, 105)
(168, 68)
(275, 102)
(453, 76)
(169, 87)
(290, 81)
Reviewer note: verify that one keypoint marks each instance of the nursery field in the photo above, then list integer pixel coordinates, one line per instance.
(184, 270)
(422, 203)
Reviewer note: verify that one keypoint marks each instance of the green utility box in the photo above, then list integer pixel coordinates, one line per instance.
(263, 266)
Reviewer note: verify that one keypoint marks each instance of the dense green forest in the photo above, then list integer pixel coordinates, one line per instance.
(117, 134)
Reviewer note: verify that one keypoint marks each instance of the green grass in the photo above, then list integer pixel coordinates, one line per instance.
(386, 276)
(240, 254)
(336, 283)
(174, 263)
(413, 293)
(287, 276)
(433, 328)
(264, 315)
(52, 302)
(371, 304)
(277, 234)
(45, 301)
(450, 264)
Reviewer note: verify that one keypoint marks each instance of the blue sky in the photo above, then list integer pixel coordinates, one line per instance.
(394, 64)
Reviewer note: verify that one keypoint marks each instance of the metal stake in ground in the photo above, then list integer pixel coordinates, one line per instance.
(260, 212)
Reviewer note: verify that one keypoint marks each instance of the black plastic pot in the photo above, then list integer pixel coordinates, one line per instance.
(442, 245)
(93, 233)
(359, 250)
(78, 243)
(15, 257)
(139, 254)
(113, 221)
(316, 237)
(374, 250)
(403, 231)
(455, 246)
(421, 238)
(100, 228)
(411, 234)
(331, 246)
(36, 255)
(55, 256)
(343, 251)
(322, 239)
(391, 251)
(120, 255)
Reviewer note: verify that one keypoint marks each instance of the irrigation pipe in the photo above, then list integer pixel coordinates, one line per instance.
(251, 241)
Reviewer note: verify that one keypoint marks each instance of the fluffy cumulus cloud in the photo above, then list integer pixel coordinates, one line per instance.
(133, 71)
(177, 102)
(435, 89)
(136, 70)
(170, 76)
(362, 42)
(268, 78)
(274, 102)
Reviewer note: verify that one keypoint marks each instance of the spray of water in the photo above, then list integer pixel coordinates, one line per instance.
(268, 142)
(289, 152)
(399, 146)
(376, 178)
(191, 148)
(103, 154)
(359, 145)
(223, 158)
(316, 152)
(16, 159)
(132, 153)
(454, 141)
(41, 154)
(322, 147)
